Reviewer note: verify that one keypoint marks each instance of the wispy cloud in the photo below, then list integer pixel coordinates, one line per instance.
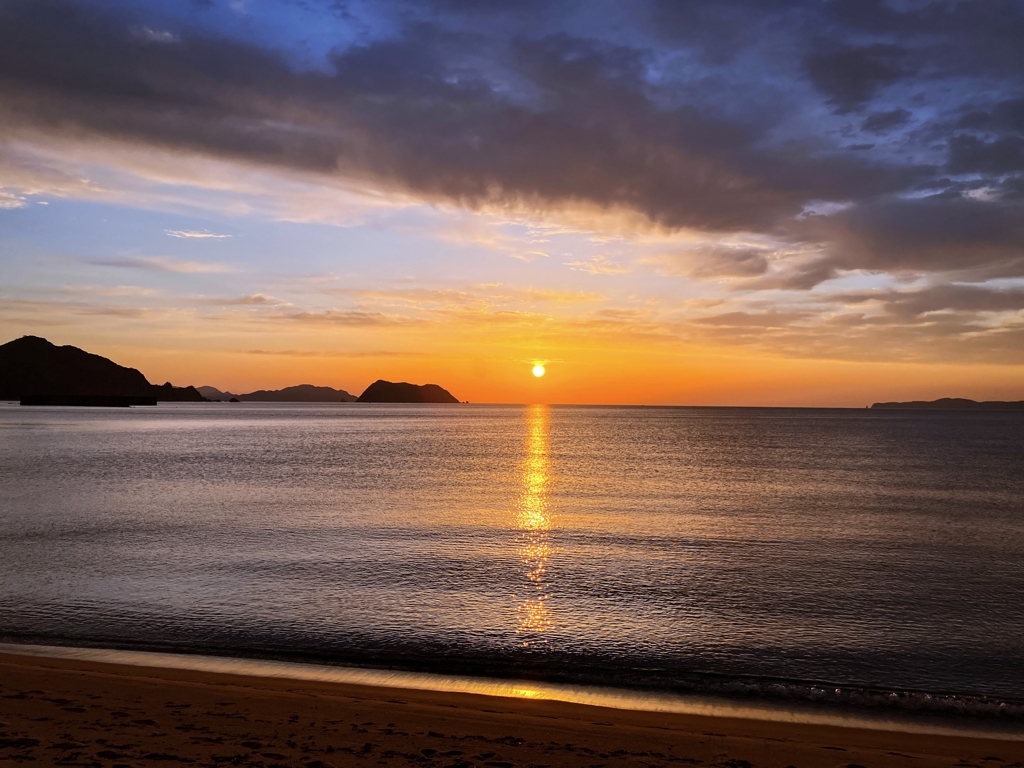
(484, 294)
(192, 233)
(253, 300)
(598, 265)
(134, 313)
(161, 36)
(322, 353)
(162, 264)
(345, 317)
(559, 297)
(528, 255)
(116, 290)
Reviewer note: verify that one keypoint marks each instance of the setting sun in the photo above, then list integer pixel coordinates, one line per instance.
(538, 370)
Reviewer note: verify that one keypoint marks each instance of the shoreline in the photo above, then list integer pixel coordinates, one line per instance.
(623, 699)
(822, 702)
(102, 713)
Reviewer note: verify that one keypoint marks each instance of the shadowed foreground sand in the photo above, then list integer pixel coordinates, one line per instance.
(69, 712)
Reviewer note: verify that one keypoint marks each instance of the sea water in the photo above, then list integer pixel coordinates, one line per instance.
(831, 556)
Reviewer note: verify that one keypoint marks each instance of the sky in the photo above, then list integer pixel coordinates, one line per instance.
(713, 202)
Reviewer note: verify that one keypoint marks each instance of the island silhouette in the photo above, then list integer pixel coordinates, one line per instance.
(302, 393)
(402, 392)
(952, 404)
(34, 371)
(37, 372)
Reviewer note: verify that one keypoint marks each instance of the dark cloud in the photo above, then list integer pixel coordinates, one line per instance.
(849, 76)
(801, 278)
(1010, 115)
(883, 122)
(949, 37)
(720, 29)
(975, 119)
(413, 112)
(731, 262)
(937, 233)
(969, 154)
(1012, 188)
(941, 298)
(704, 115)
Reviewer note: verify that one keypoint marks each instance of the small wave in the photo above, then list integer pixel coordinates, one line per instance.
(712, 695)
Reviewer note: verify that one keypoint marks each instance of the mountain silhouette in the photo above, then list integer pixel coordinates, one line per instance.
(302, 393)
(212, 393)
(390, 392)
(32, 367)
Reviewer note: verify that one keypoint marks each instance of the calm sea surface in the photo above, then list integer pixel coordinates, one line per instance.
(760, 551)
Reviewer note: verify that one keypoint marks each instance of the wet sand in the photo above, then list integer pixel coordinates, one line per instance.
(73, 712)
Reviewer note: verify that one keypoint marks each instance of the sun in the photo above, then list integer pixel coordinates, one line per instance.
(538, 370)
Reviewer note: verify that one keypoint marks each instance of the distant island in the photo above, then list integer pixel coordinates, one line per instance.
(953, 404)
(302, 393)
(390, 392)
(35, 371)
(379, 392)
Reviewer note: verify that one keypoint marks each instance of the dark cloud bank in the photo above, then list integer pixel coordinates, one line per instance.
(724, 116)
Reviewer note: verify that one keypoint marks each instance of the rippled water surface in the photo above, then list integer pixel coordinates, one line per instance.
(647, 546)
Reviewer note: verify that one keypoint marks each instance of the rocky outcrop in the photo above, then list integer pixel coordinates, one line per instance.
(167, 393)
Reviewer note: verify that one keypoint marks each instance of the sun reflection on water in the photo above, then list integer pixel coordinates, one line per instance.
(534, 521)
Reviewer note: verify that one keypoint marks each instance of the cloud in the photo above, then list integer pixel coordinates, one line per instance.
(970, 154)
(253, 300)
(189, 233)
(561, 297)
(117, 290)
(883, 122)
(717, 118)
(162, 264)
(942, 232)
(487, 297)
(356, 318)
(849, 76)
(160, 36)
(10, 200)
(598, 265)
(373, 353)
(410, 113)
(131, 313)
(762, 320)
(942, 298)
(709, 262)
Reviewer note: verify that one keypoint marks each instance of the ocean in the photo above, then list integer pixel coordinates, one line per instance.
(836, 557)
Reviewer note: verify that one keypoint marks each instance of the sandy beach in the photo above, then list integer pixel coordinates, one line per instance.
(72, 712)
